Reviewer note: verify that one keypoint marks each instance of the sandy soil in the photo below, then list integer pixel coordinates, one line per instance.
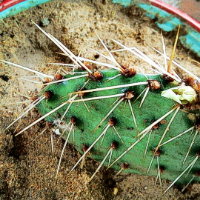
(27, 164)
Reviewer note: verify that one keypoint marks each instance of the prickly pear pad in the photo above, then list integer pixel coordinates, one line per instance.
(90, 113)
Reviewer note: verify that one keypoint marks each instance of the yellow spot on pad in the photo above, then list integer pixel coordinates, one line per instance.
(180, 94)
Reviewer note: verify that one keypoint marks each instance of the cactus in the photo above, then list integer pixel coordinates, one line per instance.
(129, 121)
(121, 133)
(94, 117)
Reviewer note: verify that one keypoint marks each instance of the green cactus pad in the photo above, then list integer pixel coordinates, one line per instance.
(90, 113)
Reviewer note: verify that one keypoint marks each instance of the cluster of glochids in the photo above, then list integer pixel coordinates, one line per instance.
(137, 134)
